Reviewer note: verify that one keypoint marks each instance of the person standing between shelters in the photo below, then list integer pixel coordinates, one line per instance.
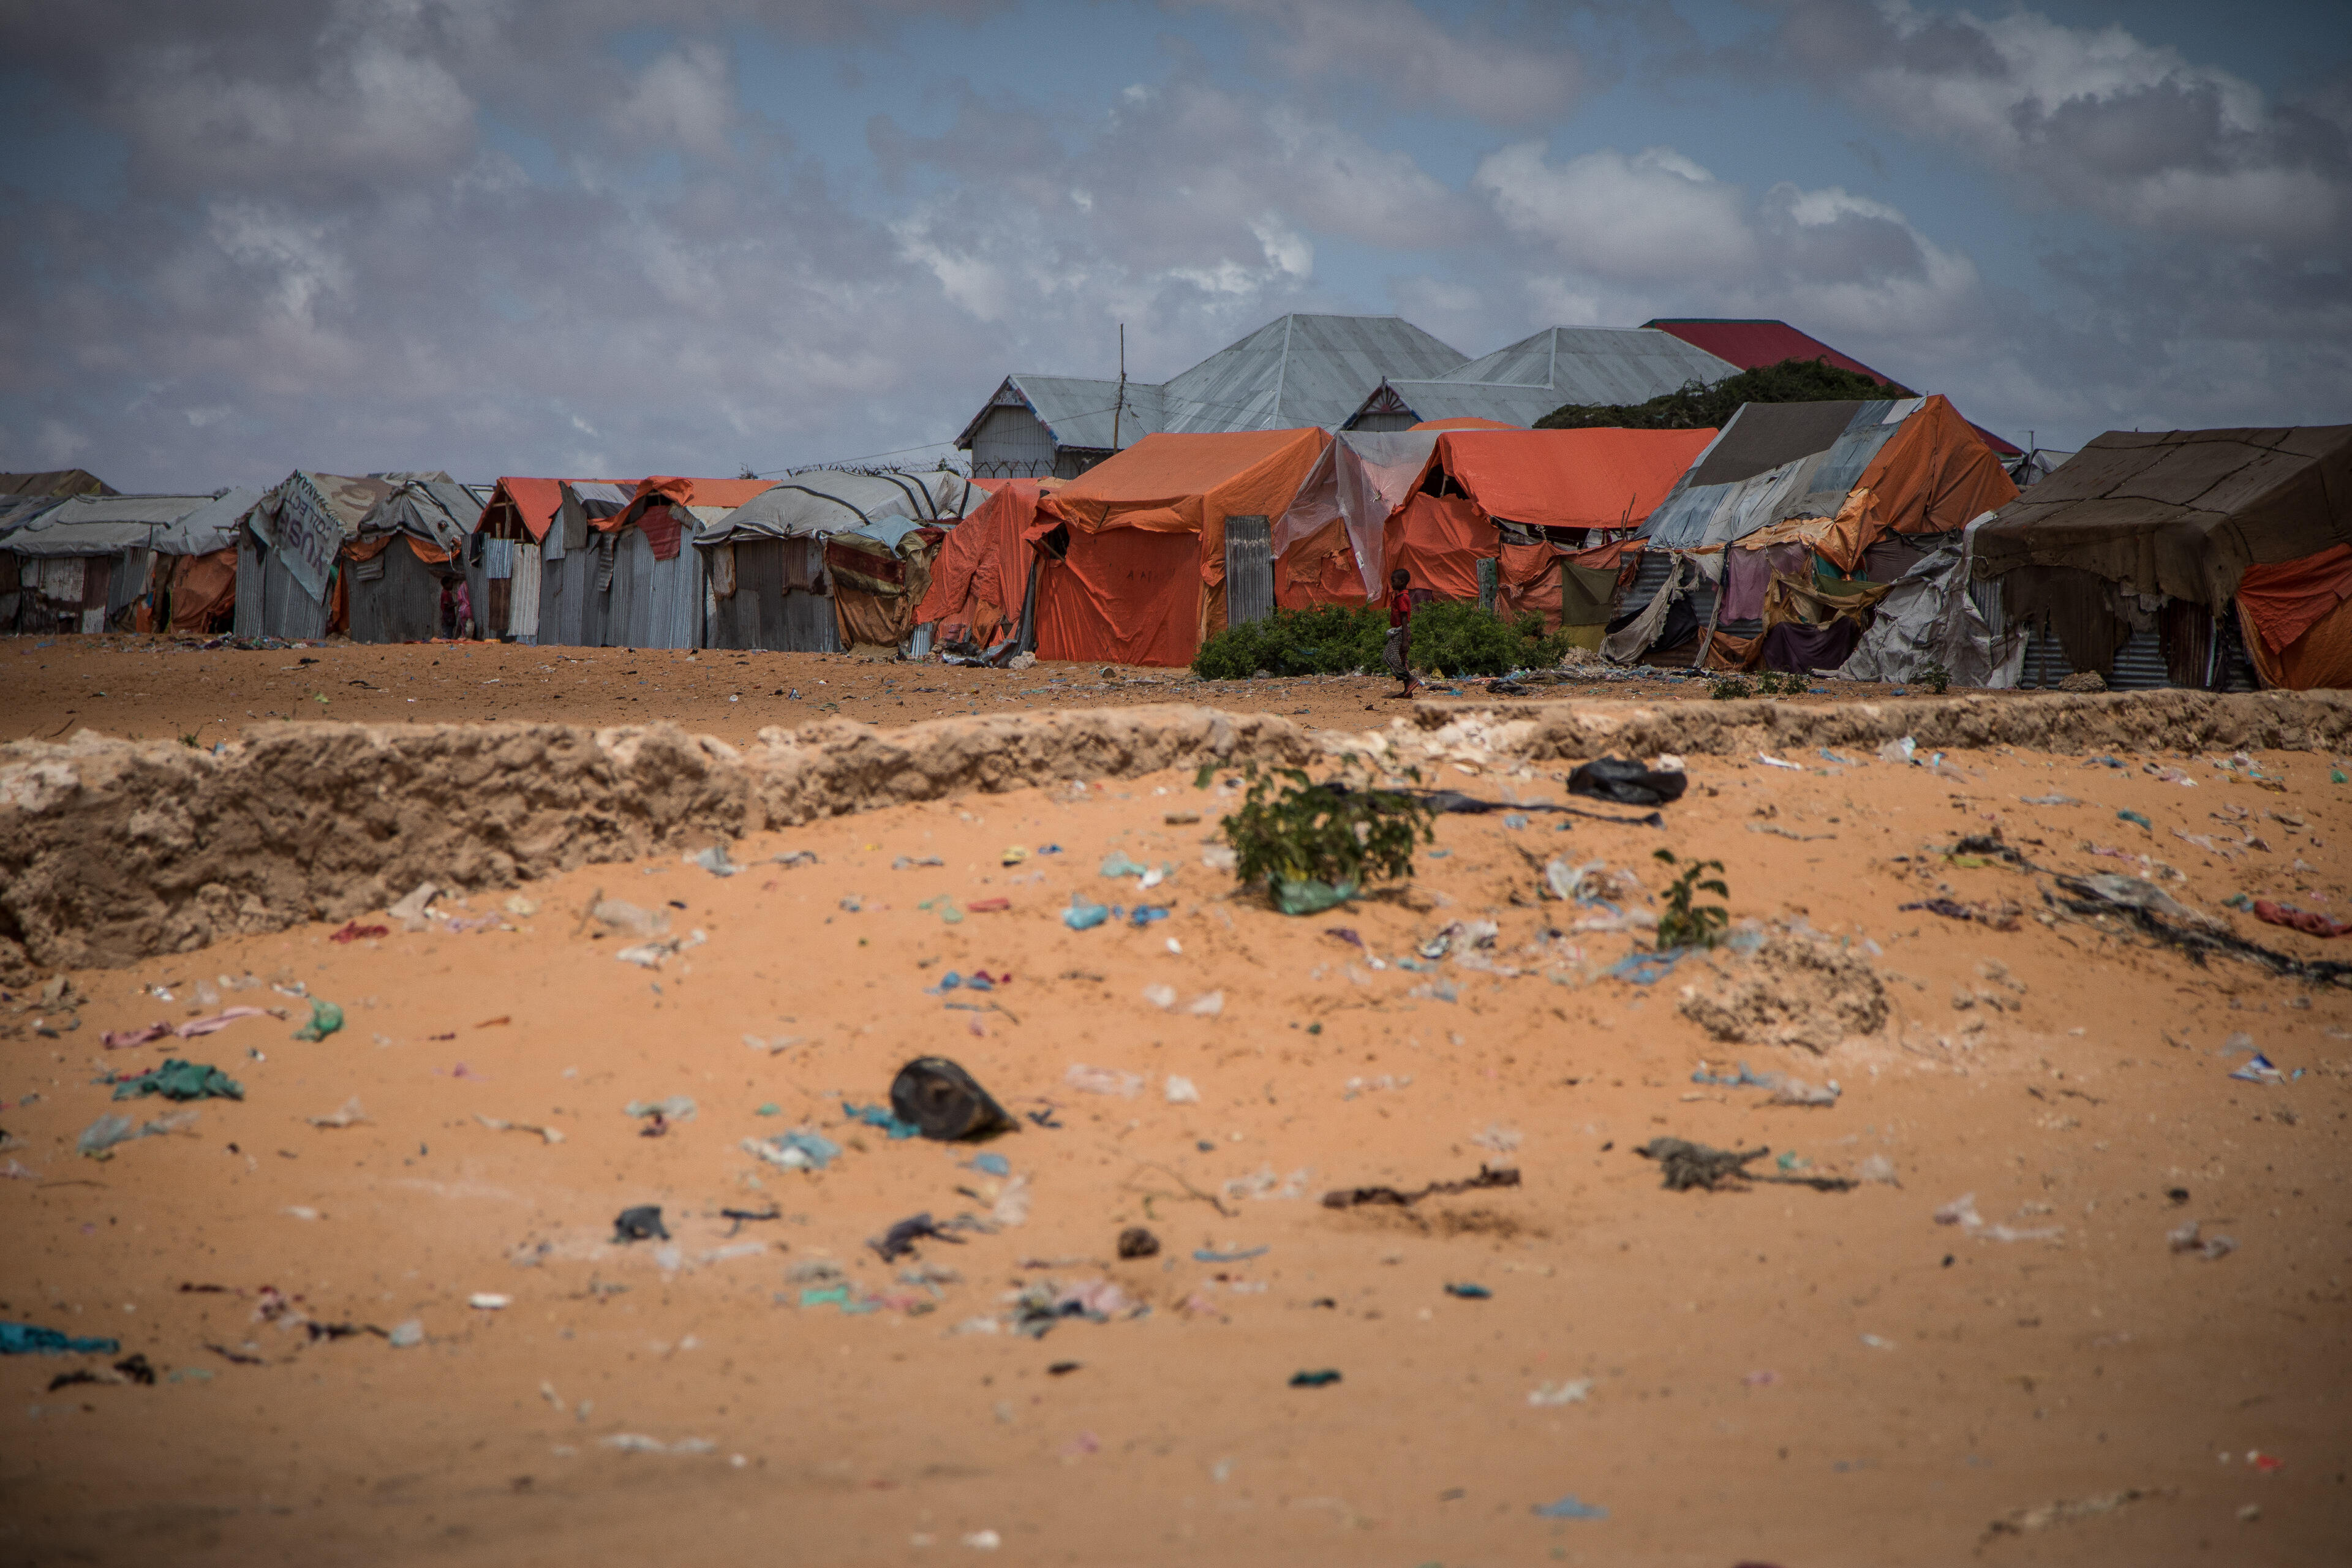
(1397, 652)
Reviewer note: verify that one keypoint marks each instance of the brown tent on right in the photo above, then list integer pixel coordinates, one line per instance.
(2155, 558)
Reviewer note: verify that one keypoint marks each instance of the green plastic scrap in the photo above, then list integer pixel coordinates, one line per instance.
(176, 1079)
(2335, 775)
(2135, 816)
(325, 1019)
(1310, 897)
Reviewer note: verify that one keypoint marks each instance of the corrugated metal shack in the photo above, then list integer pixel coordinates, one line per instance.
(827, 558)
(87, 564)
(546, 523)
(645, 588)
(407, 553)
(289, 551)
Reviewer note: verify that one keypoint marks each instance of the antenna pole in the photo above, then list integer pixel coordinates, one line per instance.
(1120, 406)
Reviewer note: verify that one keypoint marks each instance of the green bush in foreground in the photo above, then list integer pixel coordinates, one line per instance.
(1291, 829)
(1460, 639)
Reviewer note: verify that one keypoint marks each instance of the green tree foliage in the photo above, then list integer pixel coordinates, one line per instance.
(1460, 639)
(1701, 407)
(1685, 924)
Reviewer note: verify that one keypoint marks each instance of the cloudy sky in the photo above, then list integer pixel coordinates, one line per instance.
(611, 238)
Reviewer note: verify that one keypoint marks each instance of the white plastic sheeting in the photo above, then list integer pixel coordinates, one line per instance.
(1928, 617)
(1361, 476)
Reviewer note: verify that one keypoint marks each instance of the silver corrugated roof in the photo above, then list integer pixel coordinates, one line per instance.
(1078, 410)
(210, 527)
(1302, 370)
(1520, 383)
(145, 511)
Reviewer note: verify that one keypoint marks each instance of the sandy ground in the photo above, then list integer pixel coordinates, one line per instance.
(151, 688)
(1775, 1375)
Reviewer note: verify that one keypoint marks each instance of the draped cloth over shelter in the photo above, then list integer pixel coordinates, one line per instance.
(863, 539)
(1328, 542)
(1937, 475)
(979, 582)
(2297, 617)
(1109, 594)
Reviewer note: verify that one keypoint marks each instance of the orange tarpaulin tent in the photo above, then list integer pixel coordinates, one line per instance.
(1113, 588)
(1936, 474)
(1593, 479)
(2298, 630)
(981, 575)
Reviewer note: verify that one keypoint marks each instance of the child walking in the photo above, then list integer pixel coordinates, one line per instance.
(1397, 652)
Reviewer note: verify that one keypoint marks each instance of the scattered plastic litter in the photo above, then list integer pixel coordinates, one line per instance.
(1900, 751)
(880, 1116)
(802, 1149)
(1116, 864)
(2135, 816)
(1103, 1081)
(1084, 914)
(1323, 1378)
(100, 1136)
(1147, 914)
(673, 1109)
(638, 1443)
(2259, 1070)
(408, 1334)
(643, 1222)
(1627, 782)
(1312, 896)
(177, 1079)
(1350, 1198)
(1569, 1507)
(351, 931)
(714, 861)
(489, 1302)
(1645, 968)
(350, 1115)
(1771, 760)
(1470, 1292)
(1689, 1164)
(2210, 1248)
(1182, 1092)
(27, 1339)
(2309, 921)
(900, 1238)
(1962, 1211)
(1209, 1255)
(1575, 1391)
(1782, 1089)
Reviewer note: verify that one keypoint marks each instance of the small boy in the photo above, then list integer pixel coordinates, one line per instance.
(1397, 652)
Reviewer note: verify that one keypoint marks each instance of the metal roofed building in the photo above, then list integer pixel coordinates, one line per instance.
(1296, 371)
(1520, 383)
(83, 563)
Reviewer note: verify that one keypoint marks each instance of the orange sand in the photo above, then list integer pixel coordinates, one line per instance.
(1922, 1383)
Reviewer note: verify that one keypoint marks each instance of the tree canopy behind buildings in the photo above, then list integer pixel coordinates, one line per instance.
(1701, 407)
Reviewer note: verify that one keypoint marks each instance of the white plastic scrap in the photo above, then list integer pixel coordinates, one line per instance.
(1265, 1184)
(413, 906)
(1180, 1092)
(1573, 1391)
(714, 861)
(2211, 1248)
(1962, 1211)
(1206, 1006)
(638, 1443)
(488, 1300)
(1103, 1081)
(1161, 996)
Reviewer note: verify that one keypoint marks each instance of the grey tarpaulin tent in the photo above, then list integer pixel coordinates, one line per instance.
(765, 561)
(84, 563)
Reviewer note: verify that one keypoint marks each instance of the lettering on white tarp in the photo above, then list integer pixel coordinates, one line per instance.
(307, 541)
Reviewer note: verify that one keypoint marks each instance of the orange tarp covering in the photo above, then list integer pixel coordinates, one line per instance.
(983, 570)
(684, 492)
(1126, 595)
(1181, 485)
(1934, 475)
(536, 501)
(2297, 622)
(1319, 570)
(368, 549)
(1440, 541)
(203, 587)
(1568, 478)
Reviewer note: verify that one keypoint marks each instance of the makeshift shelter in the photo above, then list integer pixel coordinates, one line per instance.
(1857, 489)
(980, 589)
(409, 550)
(16, 511)
(1519, 383)
(2149, 555)
(288, 554)
(86, 563)
(196, 569)
(541, 529)
(1327, 543)
(829, 557)
(648, 589)
(56, 482)
(1146, 549)
(1531, 521)
(1926, 620)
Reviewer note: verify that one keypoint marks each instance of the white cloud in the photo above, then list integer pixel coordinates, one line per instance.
(2093, 117)
(684, 99)
(1654, 215)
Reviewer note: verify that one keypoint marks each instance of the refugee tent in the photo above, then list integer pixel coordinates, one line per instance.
(195, 574)
(826, 558)
(2148, 554)
(290, 550)
(16, 511)
(1530, 522)
(407, 553)
(979, 599)
(648, 589)
(1137, 567)
(1844, 490)
(546, 522)
(1327, 543)
(87, 564)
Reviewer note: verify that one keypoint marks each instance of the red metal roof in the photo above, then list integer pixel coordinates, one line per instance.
(1751, 345)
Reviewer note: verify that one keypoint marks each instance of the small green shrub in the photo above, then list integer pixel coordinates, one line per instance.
(1331, 640)
(1728, 688)
(1685, 924)
(1935, 677)
(1289, 828)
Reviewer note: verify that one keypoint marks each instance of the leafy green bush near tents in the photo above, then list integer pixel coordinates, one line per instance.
(1460, 639)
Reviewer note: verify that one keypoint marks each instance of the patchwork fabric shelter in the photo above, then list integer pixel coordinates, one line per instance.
(830, 557)
(1136, 572)
(2158, 537)
(196, 572)
(88, 563)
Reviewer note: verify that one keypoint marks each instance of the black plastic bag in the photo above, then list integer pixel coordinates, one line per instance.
(945, 1102)
(1626, 782)
(643, 1222)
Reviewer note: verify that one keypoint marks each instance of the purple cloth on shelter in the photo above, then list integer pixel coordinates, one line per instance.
(1797, 648)
(1748, 573)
